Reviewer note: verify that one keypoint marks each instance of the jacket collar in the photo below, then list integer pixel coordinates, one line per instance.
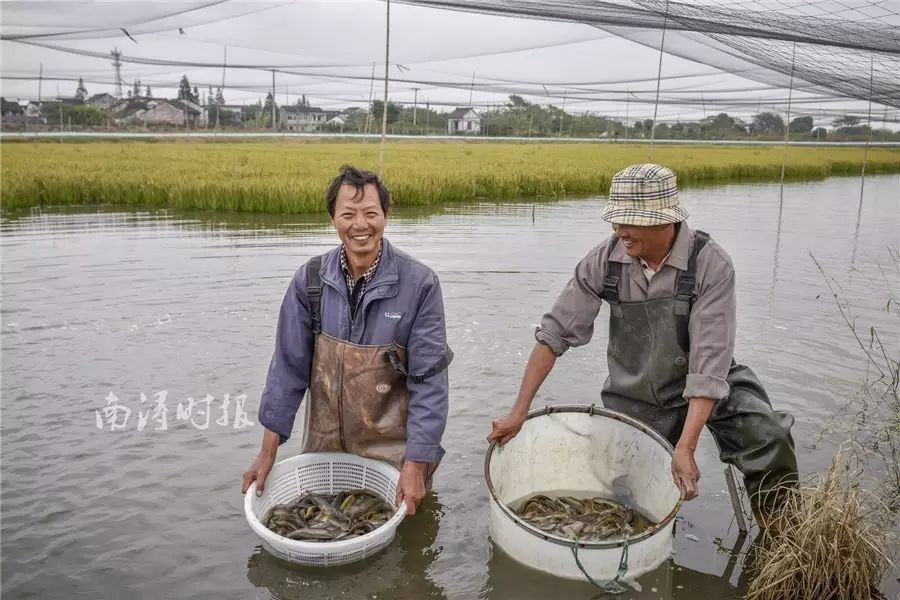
(678, 255)
(385, 274)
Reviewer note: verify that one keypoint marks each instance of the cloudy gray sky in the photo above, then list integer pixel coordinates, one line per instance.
(326, 50)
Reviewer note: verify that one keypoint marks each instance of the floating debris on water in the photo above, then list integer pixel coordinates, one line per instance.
(321, 518)
(582, 519)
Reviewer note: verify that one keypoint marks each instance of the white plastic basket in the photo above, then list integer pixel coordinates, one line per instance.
(324, 473)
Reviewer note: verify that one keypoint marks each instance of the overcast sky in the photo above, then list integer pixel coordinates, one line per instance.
(330, 47)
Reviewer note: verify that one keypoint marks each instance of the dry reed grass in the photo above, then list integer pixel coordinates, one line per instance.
(828, 541)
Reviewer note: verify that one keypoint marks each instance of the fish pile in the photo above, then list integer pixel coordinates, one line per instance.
(321, 518)
(582, 519)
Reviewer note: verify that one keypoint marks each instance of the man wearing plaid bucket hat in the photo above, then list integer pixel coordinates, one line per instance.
(672, 329)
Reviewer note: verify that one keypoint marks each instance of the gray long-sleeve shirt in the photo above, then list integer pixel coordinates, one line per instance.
(403, 304)
(713, 320)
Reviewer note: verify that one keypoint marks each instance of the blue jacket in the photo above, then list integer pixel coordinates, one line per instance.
(402, 304)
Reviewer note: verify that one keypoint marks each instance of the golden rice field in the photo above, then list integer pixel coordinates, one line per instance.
(291, 177)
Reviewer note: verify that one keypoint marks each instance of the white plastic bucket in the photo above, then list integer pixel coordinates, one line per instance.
(324, 473)
(589, 451)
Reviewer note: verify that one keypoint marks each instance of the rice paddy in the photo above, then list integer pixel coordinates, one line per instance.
(291, 177)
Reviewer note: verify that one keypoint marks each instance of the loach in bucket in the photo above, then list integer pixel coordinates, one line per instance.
(324, 473)
(584, 451)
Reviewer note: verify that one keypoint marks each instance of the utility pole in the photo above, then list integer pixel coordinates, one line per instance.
(117, 67)
(40, 81)
(415, 105)
(471, 88)
(273, 99)
(428, 115)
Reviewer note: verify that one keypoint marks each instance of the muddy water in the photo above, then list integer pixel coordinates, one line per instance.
(105, 312)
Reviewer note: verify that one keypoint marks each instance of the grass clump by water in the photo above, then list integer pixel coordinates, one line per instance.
(829, 544)
(831, 539)
(291, 177)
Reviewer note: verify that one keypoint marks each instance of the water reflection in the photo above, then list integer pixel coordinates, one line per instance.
(399, 571)
(510, 579)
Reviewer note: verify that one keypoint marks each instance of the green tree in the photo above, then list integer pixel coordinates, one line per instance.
(846, 121)
(721, 125)
(220, 97)
(265, 117)
(767, 123)
(393, 111)
(148, 93)
(184, 89)
(802, 125)
(76, 114)
(81, 91)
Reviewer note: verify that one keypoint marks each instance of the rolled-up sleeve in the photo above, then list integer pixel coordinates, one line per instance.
(713, 327)
(571, 320)
(289, 369)
(429, 399)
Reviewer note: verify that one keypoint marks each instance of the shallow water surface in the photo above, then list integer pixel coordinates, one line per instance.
(110, 314)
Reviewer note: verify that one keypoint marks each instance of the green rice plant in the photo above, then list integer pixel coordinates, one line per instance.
(290, 176)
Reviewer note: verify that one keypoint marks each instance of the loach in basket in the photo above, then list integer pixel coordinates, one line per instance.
(324, 473)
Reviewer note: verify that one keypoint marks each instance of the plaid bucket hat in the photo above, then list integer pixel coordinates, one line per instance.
(643, 195)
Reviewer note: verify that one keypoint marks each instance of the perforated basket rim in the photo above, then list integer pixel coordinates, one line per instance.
(323, 548)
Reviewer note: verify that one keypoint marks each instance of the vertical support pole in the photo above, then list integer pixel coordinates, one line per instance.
(736, 503)
(384, 107)
(273, 99)
(662, 45)
(787, 128)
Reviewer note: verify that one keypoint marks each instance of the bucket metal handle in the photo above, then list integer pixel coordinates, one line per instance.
(608, 587)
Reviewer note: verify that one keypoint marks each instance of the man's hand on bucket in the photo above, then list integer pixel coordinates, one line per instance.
(262, 464)
(411, 486)
(507, 427)
(685, 472)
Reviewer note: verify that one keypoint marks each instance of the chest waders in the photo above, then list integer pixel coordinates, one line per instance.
(649, 357)
(358, 400)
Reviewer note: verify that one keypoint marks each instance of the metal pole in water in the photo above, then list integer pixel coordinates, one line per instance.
(662, 44)
(384, 108)
(862, 183)
(736, 503)
(787, 126)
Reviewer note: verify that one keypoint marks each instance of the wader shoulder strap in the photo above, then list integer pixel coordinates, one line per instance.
(610, 291)
(394, 358)
(314, 292)
(687, 279)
